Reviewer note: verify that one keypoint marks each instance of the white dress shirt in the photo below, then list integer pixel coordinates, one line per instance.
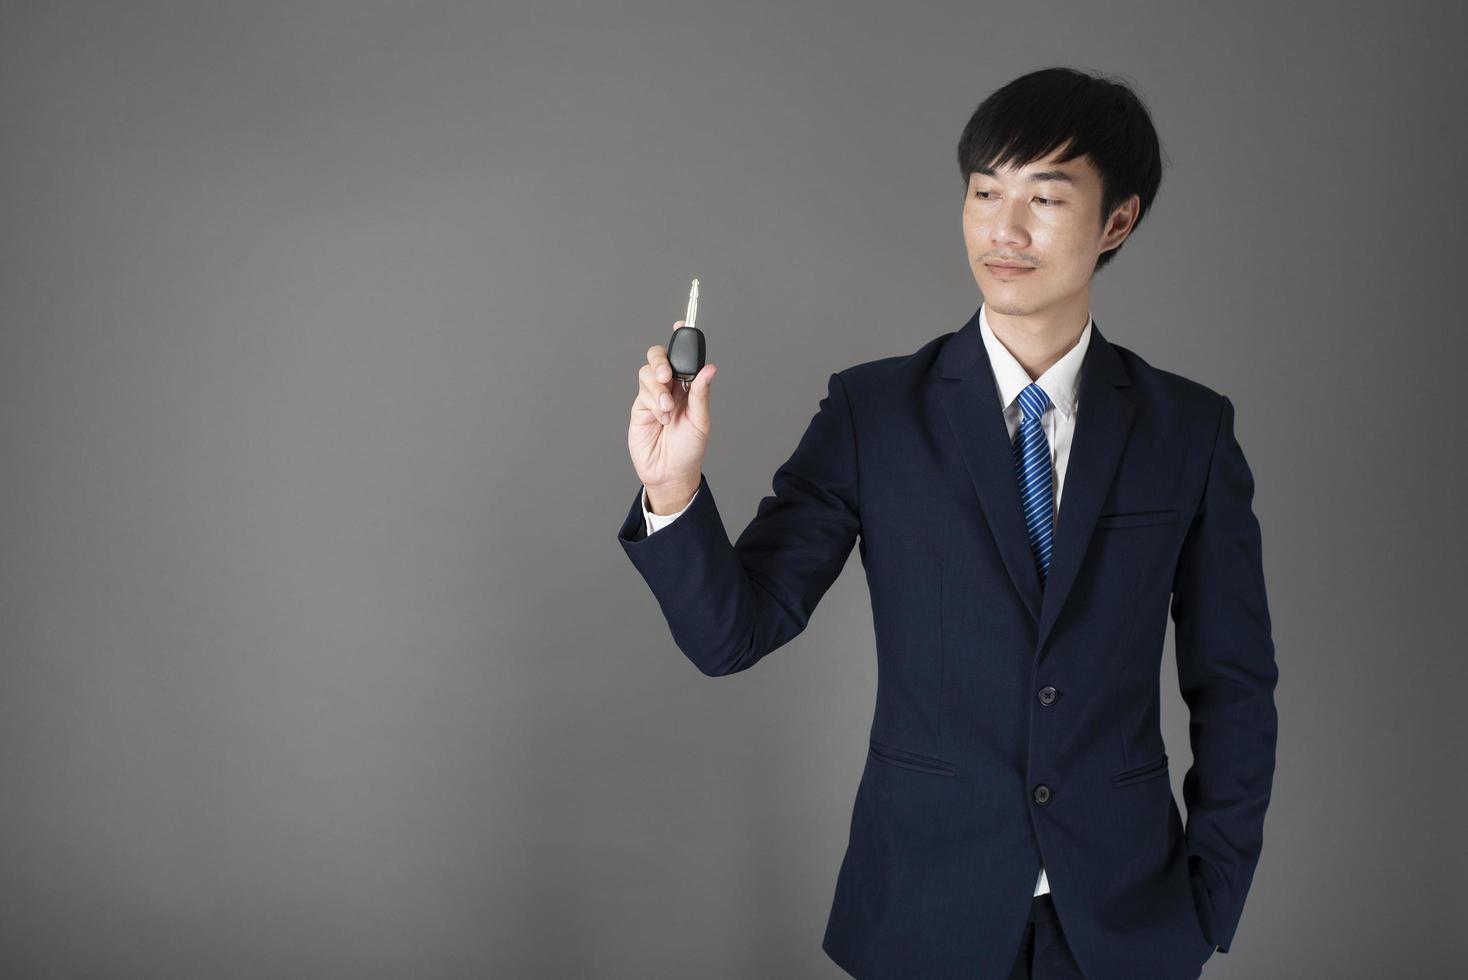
(1061, 382)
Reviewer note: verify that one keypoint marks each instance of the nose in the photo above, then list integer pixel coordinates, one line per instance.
(1008, 229)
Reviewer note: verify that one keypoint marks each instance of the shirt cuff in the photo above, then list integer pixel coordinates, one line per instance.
(657, 521)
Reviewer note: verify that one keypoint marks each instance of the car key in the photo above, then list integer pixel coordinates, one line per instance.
(686, 350)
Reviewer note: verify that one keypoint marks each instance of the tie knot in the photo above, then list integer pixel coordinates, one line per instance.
(1033, 401)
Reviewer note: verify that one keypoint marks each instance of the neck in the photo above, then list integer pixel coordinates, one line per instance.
(1038, 340)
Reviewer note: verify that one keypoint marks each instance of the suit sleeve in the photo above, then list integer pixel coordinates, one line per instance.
(727, 606)
(1227, 676)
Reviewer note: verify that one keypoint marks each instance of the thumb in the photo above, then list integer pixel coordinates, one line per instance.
(698, 396)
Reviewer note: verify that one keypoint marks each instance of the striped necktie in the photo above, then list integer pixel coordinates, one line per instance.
(1032, 465)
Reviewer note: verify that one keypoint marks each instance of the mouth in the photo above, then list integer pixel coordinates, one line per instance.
(1008, 271)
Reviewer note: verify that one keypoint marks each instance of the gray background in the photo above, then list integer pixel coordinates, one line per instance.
(319, 327)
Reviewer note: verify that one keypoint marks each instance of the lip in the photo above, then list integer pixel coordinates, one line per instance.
(1008, 271)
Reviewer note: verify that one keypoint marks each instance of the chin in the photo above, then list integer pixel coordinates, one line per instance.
(1012, 302)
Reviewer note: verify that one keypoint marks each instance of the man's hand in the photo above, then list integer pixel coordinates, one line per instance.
(668, 433)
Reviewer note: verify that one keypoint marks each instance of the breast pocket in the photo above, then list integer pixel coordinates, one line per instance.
(1138, 518)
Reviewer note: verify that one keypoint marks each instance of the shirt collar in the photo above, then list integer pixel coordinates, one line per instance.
(1061, 382)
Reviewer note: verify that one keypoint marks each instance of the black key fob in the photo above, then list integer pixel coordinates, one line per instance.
(686, 353)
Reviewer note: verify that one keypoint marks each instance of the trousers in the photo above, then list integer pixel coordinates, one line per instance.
(1044, 954)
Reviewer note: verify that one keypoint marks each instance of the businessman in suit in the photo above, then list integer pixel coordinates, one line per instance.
(1014, 817)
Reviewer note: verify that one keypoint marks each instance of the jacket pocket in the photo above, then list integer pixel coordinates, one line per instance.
(1138, 773)
(910, 760)
(1137, 518)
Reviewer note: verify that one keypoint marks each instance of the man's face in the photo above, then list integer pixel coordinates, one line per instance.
(1044, 216)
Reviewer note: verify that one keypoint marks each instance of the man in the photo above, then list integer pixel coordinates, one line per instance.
(1015, 816)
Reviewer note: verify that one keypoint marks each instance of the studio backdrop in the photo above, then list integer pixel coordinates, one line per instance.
(319, 327)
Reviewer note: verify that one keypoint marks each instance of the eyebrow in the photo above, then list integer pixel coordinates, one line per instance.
(1037, 176)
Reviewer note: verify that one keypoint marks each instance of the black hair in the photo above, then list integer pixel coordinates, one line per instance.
(1045, 110)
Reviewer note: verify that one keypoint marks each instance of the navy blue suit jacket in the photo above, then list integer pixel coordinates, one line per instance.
(909, 458)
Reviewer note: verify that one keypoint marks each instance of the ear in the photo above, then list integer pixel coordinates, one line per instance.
(1121, 222)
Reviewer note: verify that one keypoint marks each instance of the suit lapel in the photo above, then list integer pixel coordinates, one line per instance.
(971, 403)
(1103, 420)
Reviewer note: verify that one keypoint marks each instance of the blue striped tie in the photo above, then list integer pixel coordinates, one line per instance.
(1032, 465)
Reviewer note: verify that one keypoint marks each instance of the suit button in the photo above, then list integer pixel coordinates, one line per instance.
(1047, 695)
(1042, 794)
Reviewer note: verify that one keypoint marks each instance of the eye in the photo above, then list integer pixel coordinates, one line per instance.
(1046, 201)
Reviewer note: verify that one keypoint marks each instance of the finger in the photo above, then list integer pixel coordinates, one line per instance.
(698, 396)
(647, 378)
(662, 398)
(643, 413)
(650, 396)
(657, 356)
